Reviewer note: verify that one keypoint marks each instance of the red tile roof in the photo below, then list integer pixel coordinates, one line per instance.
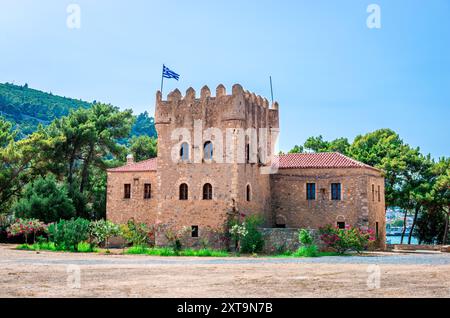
(289, 161)
(319, 160)
(142, 166)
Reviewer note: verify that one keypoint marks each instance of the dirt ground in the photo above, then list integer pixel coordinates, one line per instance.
(46, 274)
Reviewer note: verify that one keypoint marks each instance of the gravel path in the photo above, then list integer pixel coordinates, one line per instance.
(47, 274)
(49, 258)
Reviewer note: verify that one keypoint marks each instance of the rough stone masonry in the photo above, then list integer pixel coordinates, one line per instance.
(192, 183)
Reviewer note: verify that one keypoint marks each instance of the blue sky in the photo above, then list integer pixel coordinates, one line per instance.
(332, 74)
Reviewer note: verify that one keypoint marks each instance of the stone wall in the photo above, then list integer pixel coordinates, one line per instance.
(120, 210)
(280, 198)
(405, 247)
(292, 209)
(280, 240)
(194, 120)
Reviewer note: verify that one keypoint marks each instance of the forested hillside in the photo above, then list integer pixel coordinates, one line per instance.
(26, 108)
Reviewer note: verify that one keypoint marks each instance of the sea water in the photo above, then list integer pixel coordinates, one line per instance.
(396, 240)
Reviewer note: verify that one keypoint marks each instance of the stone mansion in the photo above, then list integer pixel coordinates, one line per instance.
(192, 183)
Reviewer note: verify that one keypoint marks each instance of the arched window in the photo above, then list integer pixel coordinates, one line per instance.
(207, 191)
(208, 150)
(184, 151)
(249, 193)
(183, 191)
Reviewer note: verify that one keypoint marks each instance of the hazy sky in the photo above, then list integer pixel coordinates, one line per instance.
(332, 74)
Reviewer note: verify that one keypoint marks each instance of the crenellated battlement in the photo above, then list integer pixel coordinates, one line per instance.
(205, 94)
(244, 108)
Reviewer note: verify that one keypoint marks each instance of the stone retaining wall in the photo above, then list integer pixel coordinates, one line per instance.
(280, 240)
(406, 247)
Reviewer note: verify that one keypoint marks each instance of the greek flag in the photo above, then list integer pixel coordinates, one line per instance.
(167, 73)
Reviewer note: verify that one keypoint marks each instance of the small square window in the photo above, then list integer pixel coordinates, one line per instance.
(341, 225)
(194, 231)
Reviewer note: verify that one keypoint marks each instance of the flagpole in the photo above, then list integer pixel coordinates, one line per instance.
(271, 88)
(162, 80)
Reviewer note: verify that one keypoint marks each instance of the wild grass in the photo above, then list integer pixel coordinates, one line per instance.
(85, 247)
(204, 253)
(82, 247)
(165, 251)
(307, 251)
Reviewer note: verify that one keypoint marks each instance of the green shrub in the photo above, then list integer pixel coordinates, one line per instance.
(45, 200)
(24, 247)
(137, 250)
(137, 234)
(85, 247)
(82, 247)
(253, 241)
(204, 252)
(168, 251)
(164, 251)
(237, 232)
(305, 238)
(27, 228)
(101, 231)
(68, 234)
(307, 248)
(307, 251)
(175, 236)
(144, 250)
(45, 246)
(348, 239)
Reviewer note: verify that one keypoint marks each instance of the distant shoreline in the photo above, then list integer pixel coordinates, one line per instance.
(397, 238)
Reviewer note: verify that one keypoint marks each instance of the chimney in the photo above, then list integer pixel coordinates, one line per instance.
(130, 159)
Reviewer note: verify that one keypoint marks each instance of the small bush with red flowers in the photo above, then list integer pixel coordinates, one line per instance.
(348, 239)
(26, 228)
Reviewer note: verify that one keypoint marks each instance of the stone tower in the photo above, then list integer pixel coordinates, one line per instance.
(219, 143)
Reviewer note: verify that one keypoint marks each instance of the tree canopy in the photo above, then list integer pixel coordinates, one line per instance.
(413, 181)
(143, 147)
(45, 200)
(27, 108)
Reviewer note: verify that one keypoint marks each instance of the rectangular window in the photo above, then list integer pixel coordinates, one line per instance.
(127, 191)
(379, 194)
(194, 230)
(336, 191)
(247, 153)
(310, 191)
(373, 192)
(147, 191)
(376, 231)
(341, 225)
